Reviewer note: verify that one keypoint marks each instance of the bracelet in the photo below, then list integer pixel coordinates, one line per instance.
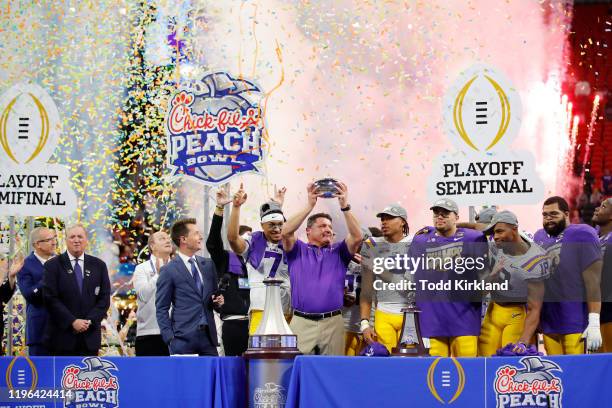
(220, 207)
(345, 209)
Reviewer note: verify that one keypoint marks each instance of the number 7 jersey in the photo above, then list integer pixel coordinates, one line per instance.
(265, 260)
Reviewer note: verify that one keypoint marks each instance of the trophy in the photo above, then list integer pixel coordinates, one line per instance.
(327, 186)
(411, 341)
(271, 352)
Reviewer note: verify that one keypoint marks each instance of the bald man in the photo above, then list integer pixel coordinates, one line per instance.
(149, 341)
(29, 279)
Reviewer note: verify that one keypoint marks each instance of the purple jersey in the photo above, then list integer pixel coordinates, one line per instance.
(571, 252)
(606, 278)
(317, 276)
(444, 313)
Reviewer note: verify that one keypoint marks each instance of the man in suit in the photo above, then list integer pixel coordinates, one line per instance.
(29, 280)
(76, 291)
(188, 284)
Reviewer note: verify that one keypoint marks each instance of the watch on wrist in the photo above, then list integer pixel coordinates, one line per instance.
(345, 209)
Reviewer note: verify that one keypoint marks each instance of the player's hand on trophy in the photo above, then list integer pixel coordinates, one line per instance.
(592, 334)
(279, 195)
(342, 194)
(240, 197)
(222, 197)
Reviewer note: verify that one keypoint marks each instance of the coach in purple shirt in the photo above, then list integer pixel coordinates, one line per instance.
(317, 270)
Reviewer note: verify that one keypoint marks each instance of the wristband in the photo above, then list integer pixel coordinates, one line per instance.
(364, 324)
(347, 208)
(594, 319)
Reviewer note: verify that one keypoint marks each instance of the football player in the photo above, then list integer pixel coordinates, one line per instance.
(524, 265)
(603, 219)
(575, 270)
(388, 317)
(262, 252)
(450, 318)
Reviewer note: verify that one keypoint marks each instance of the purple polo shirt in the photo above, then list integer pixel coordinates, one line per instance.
(575, 249)
(317, 276)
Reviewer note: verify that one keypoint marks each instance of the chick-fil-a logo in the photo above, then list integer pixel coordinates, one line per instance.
(215, 129)
(534, 384)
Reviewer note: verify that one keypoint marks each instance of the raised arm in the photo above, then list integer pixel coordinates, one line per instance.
(214, 243)
(237, 243)
(294, 222)
(354, 237)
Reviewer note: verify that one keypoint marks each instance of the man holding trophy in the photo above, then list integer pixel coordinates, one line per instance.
(317, 270)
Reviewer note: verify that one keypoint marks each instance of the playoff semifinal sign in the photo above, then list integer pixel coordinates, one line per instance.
(215, 129)
(29, 132)
(482, 116)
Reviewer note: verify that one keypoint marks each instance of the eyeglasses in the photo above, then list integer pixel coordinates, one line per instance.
(47, 240)
(275, 226)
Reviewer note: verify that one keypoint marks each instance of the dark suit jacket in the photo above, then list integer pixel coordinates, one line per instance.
(176, 287)
(64, 303)
(29, 280)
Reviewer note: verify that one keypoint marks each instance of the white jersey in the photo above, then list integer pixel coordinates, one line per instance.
(352, 286)
(388, 301)
(519, 270)
(272, 265)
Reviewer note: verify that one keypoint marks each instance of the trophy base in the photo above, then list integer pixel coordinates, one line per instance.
(272, 346)
(409, 351)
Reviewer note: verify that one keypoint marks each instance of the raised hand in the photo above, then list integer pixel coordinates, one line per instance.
(240, 197)
(279, 195)
(313, 194)
(222, 197)
(342, 194)
(16, 265)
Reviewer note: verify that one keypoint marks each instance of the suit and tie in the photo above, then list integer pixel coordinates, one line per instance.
(75, 290)
(29, 280)
(190, 327)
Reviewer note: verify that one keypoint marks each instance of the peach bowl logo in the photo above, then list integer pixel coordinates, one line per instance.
(532, 385)
(29, 133)
(214, 129)
(92, 385)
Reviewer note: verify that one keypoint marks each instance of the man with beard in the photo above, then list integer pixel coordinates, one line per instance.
(388, 318)
(524, 265)
(317, 270)
(603, 220)
(451, 319)
(575, 260)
